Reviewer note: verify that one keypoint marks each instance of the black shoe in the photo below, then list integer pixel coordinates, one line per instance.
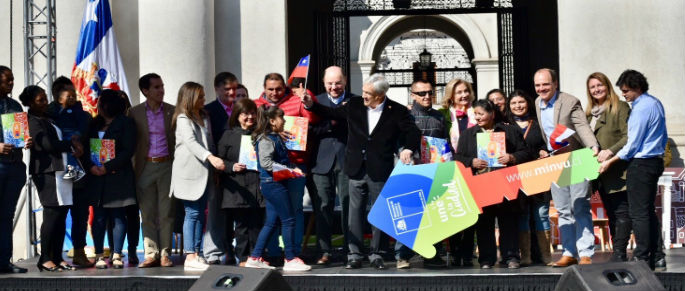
(133, 259)
(66, 267)
(54, 268)
(353, 264)
(11, 268)
(435, 262)
(660, 265)
(378, 264)
(214, 262)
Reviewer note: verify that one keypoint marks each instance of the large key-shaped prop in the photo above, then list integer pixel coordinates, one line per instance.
(424, 204)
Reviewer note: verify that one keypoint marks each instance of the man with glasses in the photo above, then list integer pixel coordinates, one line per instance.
(644, 151)
(431, 123)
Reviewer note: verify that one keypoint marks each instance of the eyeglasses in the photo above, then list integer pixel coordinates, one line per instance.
(423, 93)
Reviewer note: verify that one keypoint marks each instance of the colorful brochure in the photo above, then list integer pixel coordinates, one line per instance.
(435, 150)
(491, 145)
(101, 151)
(297, 126)
(247, 155)
(15, 128)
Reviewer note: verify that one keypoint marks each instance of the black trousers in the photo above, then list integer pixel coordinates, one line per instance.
(508, 235)
(461, 245)
(364, 191)
(52, 232)
(248, 223)
(620, 225)
(327, 187)
(79, 218)
(642, 177)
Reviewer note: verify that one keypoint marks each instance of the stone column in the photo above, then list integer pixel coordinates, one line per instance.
(176, 40)
(487, 75)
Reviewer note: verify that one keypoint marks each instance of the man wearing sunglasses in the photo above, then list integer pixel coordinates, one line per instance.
(431, 123)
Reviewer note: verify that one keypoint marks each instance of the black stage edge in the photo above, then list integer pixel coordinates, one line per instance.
(332, 278)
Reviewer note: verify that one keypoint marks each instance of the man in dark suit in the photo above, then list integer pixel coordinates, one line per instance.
(219, 223)
(327, 168)
(377, 128)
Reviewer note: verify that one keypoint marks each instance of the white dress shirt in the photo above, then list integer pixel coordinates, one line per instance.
(374, 114)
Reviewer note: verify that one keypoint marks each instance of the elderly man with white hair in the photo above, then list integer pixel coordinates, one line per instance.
(377, 128)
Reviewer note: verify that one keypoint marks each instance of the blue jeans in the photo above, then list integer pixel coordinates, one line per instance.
(100, 216)
(12, 179)
(296, 193)
(193, 223)
(278, 206)
(540, 211)
(575, 219)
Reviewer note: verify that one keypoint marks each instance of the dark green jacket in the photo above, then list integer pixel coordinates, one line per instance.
(611, 131)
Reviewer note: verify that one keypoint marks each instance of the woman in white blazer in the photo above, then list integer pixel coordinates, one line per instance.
(190, 175)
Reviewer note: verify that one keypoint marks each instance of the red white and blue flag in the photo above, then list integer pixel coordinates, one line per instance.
(558, 137)
(281, 172)
(300, 71)
(98, 63)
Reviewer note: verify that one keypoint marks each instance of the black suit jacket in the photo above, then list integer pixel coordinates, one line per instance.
(373, 152)
(218, 118)
(117, 188)
(46, 153)
(329, 139)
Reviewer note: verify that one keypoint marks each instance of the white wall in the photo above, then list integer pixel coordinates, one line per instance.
(614, 35)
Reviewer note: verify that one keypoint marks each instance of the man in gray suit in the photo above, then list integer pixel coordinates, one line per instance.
(572, 202)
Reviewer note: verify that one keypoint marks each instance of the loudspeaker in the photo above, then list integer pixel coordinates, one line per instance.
(240, 279)
(620, 276)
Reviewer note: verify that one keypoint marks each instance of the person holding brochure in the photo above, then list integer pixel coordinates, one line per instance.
(521, 114)
(190, 172)
(12, 175)
(489, 120)
(240, 184)
(431, 123)
(48, 164)
(272, 154)
(112, 184)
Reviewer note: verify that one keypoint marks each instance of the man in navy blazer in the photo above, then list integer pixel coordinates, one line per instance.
(327, 168)
(377, 128)
(219, 222)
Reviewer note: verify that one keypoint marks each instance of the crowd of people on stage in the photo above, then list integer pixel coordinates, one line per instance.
(187, 155)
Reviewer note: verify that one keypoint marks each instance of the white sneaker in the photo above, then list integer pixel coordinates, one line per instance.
(258, 263)
(403, 264)
(295, 265)
(197, 264)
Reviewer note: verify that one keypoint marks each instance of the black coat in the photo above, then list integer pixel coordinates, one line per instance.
(117, 188)
(328, 138)
(467, 151)
(373, 152)
(218, 118)
(241, 189)
(46, 158)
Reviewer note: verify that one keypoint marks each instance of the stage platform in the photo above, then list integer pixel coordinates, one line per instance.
(332, 277)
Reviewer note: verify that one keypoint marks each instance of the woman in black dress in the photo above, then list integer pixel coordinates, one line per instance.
(489, 119)
(48, 162)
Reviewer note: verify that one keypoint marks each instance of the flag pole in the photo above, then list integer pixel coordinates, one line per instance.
(309, 60)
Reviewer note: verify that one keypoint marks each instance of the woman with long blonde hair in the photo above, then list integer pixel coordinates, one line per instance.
(190, 175)
(608, 118)
(459, 116)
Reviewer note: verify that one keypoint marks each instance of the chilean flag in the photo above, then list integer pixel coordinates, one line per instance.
(300, 71)
(558, 137)
(281, 172)
(98, 63)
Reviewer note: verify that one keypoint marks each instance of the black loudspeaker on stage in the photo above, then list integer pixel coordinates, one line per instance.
(621, 276)
(231, 278)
